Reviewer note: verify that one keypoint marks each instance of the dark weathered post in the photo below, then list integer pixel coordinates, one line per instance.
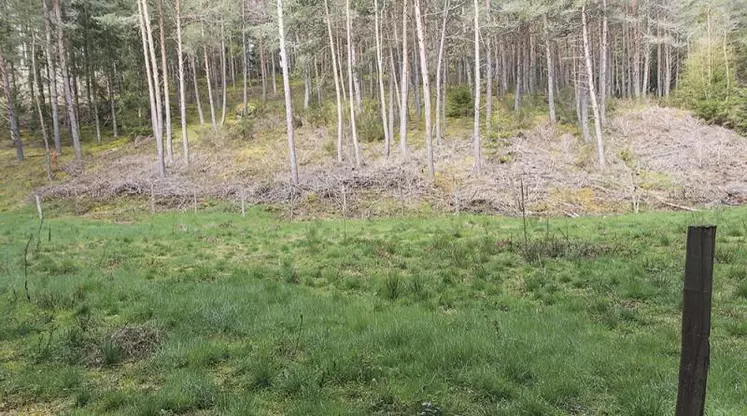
(696, 321)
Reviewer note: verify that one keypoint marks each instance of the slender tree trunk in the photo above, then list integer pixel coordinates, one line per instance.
(223, 74)
(72, 117)
(337, 82)
(356, 74)
(306, 83)
(274, 74)
(97, 120)
(637, 55)
(6, 73)
(392, 77)
(504, 70)
(603, 67)
(197, 88)
(244, 58)
(287, 93)
(425, 77)
(157, 89)
(416, 78)
(90, 75)
(38, 98)
(518, 80)
(263, 65)
(592, 93)
(112, 104)
(476, 133)
(354, 130)
(585, 115)
(439, 67)
(659, 60)
(341, 62)
(403, 89)
(231, 60)
(393, 71)
(166, 95)
(52, 76)
(379, 66)
(152, 87)
(647, 51)
(488, 75)
(550, 74)
(210, 88)
(182, 87)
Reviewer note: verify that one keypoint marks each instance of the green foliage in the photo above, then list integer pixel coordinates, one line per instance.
(585, 315)
(242, 129)
(459, 102)
(368, 122)
(711, 89)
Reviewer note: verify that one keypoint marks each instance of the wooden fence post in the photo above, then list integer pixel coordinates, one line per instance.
(696, 321)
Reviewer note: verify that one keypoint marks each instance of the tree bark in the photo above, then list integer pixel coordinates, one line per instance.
(224, 78)
(244, 58)
(439, 68)
(403, 89)
(166, 98)
(354, 130)
(476, 132)
(306, 83)
(37, 103)
(274, 74)
(72, 116)
(287, 93)
(193, 62)
(518, 79)
(504, 70)
(356, 73)
(379, 66)
(182, 87)
(15, 134)
(425, 77)
(488, 75)
(550, 73)
(592, 93)
(152, 85)
(263, 65)
(603, 67)
(52, 76)
(647, 51)
(392, 95)
(112, 103)
(210, 88)
(337, 82)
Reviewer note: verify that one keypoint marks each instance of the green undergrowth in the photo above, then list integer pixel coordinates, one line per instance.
(217, 314)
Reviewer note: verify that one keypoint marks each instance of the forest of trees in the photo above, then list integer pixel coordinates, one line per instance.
(71, 63)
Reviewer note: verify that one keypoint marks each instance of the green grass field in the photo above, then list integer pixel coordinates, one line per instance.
(212, 313)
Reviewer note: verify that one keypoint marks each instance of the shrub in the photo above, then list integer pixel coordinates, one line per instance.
(369, 124)
(459, 102)
(243, 129)
(718, 99)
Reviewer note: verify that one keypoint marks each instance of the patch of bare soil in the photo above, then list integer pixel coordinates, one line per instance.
(657, 158)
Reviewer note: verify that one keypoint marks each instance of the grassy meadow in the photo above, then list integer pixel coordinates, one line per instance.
(212, 313)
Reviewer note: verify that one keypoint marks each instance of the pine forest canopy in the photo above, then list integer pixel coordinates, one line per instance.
(104, 66)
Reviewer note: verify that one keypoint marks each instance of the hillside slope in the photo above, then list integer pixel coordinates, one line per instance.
(658, 158)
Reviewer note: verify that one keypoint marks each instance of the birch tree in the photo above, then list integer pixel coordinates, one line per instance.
(425, 76)
(287, 93)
